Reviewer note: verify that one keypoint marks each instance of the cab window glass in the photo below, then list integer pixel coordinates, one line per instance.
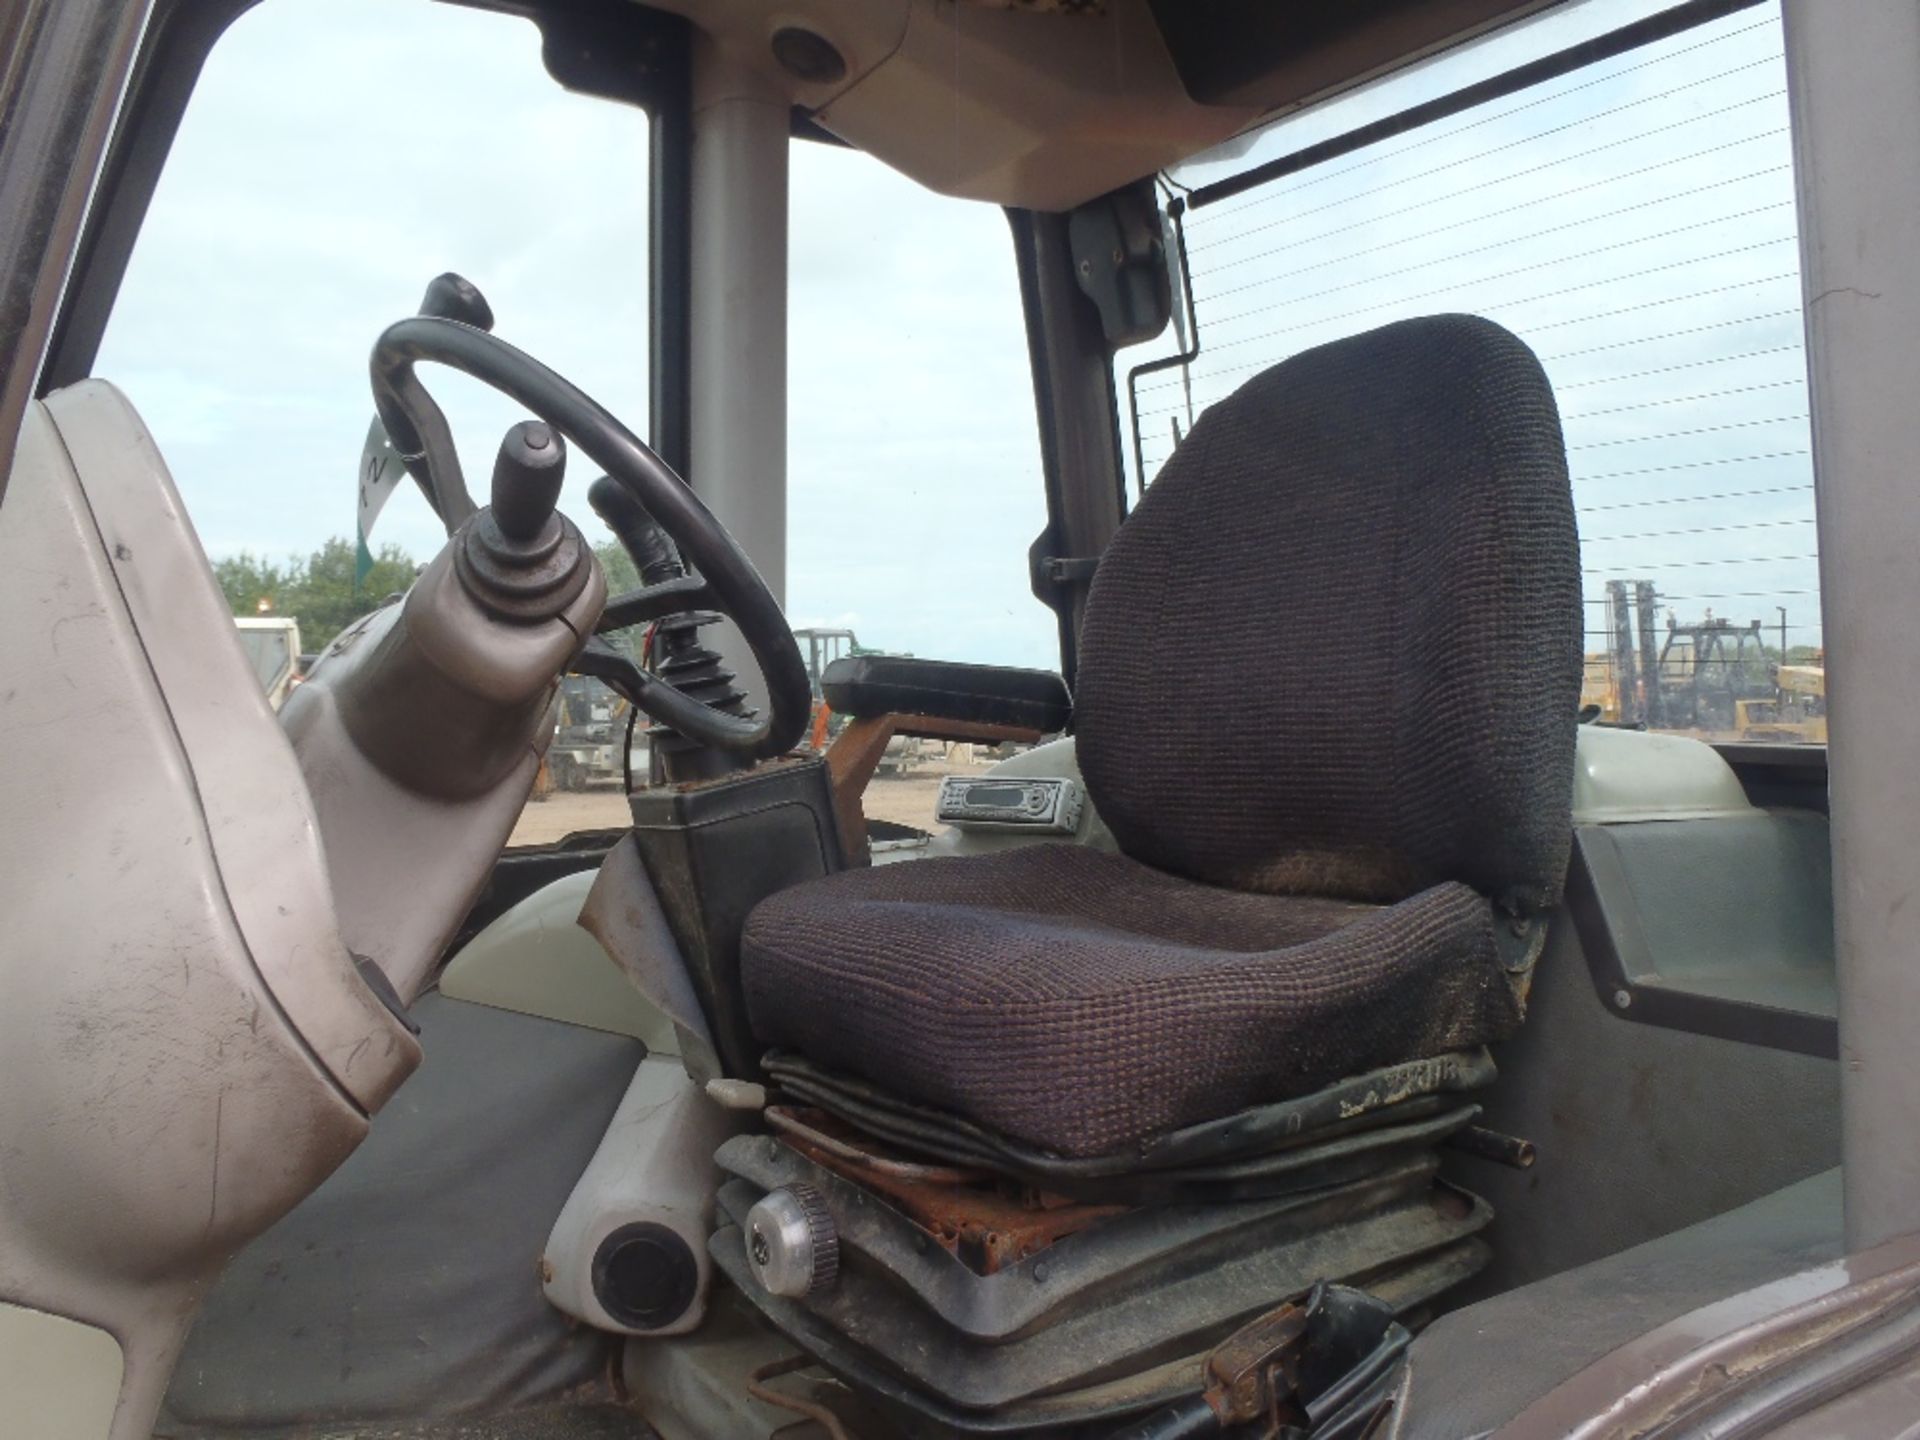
(336, 156)
(1634, 222)
(914, 458)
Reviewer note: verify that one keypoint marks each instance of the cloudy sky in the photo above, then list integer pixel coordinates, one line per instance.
(1633, 222)
(340, 153)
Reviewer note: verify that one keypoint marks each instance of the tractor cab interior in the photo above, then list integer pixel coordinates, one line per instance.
(1345, 1012)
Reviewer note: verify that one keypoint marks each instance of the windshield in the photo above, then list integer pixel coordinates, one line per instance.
(1634, 222)
(336, 156)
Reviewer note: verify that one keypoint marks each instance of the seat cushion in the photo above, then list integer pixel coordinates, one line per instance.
(1083, 1002)
(1336, 649)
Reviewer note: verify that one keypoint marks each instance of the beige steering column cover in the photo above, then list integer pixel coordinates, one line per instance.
(186, 1047)
(420, 731)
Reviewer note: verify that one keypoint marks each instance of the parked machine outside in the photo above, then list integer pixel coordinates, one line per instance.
(272, 643)
(590, 736)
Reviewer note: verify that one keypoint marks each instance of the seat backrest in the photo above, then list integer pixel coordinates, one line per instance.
(1336, 649)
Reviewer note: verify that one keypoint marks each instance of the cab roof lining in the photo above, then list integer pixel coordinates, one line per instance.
(1046, 107)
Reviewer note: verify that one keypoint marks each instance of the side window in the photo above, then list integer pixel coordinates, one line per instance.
(336, 156)
(914, 459)
(1634, 222)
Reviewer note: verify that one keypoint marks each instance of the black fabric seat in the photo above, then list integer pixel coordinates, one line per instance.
(1326, 703)
(1083, 1001)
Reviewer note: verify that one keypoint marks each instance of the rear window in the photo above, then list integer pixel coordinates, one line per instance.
(1634, 222)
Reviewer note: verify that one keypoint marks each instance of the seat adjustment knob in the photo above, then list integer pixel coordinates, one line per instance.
(792, 1246)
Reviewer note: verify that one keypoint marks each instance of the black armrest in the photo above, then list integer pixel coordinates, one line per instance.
(866, 686)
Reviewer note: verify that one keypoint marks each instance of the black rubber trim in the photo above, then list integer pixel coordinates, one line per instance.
(1663, 25)
(644, 1275)
(1777, 775)
(865, 686)
(1078, 417)
(1605, 917)
(523, 869)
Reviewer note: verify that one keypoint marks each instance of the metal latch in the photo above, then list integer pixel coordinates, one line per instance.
(1321, 1362)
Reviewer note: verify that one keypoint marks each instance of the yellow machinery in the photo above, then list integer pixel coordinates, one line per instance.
(1798, 711)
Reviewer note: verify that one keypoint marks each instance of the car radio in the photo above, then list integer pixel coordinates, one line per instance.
(1051, 805)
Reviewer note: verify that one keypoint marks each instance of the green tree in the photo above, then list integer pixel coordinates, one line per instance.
(252, 585)
(619, 567)
(318, 591)
(622, 575)
(324, 598)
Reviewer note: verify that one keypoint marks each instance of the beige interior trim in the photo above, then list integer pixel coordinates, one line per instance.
(59, 1379)
(536, 960)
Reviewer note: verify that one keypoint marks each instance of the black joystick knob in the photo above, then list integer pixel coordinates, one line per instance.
(527, 476)
(454, 297)
(519, 557)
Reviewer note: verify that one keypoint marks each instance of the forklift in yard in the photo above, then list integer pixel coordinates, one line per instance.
(589, 737)
(824, 648)
(1342, 1051)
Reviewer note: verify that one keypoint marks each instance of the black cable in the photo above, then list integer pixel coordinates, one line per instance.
(1566, 415)
(1636, 35)
(1720, 595)
(1499, 115)
(1685, 465)
(1213, 242)
(1701, 564)
(1684, 434)
(1667, 300)
(1688, 465)
(1451, 196)
(1406, 300)
(1481, 218)
(1702, 530)
(1738, 595)
(1225, 370)
(1681, 365)
(1694, 499)
(1550, 263)
(1608, 631)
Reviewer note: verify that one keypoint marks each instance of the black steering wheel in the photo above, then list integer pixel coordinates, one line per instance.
(724, 579)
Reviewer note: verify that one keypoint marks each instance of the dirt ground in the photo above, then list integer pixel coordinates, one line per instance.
(907, 799)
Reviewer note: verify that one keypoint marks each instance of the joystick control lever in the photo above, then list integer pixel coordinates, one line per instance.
(679, 657)
(527, 475)
(520, 559)
(639, 534)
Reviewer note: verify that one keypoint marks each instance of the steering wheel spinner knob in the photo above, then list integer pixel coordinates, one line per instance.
(793, 1248)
